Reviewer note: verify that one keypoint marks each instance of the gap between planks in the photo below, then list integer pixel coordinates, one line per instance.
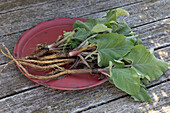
(91, 107)
(22, 91)
(159, 100)
(112, 8)
(78, 17)
(26, 7)
(39, 4)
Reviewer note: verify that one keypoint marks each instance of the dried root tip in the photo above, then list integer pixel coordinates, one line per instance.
(5, 53)
(6, 66)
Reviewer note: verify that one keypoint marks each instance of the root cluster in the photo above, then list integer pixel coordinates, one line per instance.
(51, 56)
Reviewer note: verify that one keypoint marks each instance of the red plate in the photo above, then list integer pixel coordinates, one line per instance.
(47, 32)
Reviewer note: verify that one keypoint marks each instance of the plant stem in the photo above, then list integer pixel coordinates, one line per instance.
(61, 41)
(84, 61)
(78, 51)
(94, 52)
(69, 54)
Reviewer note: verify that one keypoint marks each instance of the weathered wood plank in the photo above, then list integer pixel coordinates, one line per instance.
(42, 99)
(12, 5)
(141, 12)
(13, 81)
(154, 34)
(159, 104)
(10, 42)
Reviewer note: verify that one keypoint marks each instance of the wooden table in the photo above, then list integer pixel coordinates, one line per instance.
(148, 18)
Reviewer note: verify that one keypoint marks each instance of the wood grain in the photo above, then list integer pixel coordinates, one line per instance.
(42, 99)
(13, 5)
(13, 81)
(141, 12)
(154, 34)
(159, 104)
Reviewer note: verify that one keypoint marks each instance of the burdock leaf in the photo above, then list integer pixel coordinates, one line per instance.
(121, 12)
(88, 24)
(80, 24)
(81, 34)
(121, 28)
(118, 64)
(145, 63)
(111, 46)
(141, 96)
(126, 79)
(111, 16)
(100, 28)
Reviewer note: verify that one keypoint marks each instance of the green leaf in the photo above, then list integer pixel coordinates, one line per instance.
(145, 63)
(80, 24)
(100, 28)
(110, 17)
(87, 28)
(141, 96)
(134, 38)
(121, 12)
(66, 33)
(121, 28)
(151, 50)
(126, 79)
(74, 44)
(88, 24)
(111, 46)
(118, 64)
(81, 34)
(145, 79)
